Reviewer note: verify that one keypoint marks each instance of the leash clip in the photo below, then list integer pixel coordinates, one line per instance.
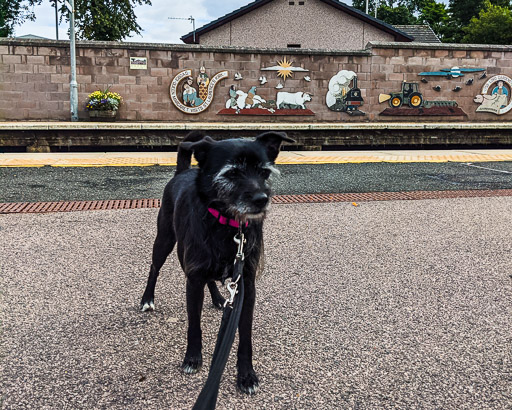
(240, 240)
(233, 290)
(232, 286)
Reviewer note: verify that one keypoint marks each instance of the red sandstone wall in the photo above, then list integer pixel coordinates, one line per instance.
(390, 66)
(34, 78)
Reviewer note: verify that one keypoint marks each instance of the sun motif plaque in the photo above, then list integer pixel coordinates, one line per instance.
(192, 98)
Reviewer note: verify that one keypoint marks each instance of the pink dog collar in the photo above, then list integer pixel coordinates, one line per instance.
(223, 220)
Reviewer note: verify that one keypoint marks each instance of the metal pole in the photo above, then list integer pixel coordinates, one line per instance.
(73, 86)
(376, 7)
(193, 27)
(366, 6)
(56, 21)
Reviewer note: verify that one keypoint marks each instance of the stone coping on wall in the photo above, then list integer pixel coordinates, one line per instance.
(249, 50)
(49, 126)
(438, 46)
(179, 47)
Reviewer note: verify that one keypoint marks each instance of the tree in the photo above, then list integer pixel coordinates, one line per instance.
(390, 11)
(400, 15)
(461, 12)
(411, 5)
(13, 13)
(491, 27)
(435, 15)
(105, 20)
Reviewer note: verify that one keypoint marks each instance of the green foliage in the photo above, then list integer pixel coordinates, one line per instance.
(435, 15)
(390, 11)
(468, 21)
(105, 20)
(408, 12)
(13, 13)
(492, 26)
(461, 12)
(396, 15)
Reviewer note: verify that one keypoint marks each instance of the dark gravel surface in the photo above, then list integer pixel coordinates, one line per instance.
(75, 183)
(399, 304)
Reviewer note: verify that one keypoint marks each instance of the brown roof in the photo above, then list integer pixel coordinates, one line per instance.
(420, 33)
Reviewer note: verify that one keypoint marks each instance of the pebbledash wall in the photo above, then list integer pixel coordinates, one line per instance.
(34, 80)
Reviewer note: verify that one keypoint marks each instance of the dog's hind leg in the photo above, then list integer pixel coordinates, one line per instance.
(195, 296)
(163, 246)
(247, 381)
(217, 299)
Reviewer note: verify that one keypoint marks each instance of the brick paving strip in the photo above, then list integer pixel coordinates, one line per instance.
(69, 206)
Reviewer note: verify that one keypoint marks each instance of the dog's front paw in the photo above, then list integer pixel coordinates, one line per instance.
(218, 303)
(248, 382)
(147, 305)
(192, 365)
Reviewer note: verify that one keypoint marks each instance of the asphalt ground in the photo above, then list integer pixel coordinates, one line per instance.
(100, 183)
(397, 304)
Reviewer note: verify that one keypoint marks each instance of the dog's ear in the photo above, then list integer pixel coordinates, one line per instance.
(272, 141)
(199, 148)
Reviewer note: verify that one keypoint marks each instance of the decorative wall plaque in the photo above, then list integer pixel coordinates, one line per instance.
(284, 69)
(138, 63)
(410, 101)
(453, 72)
(250, 103)
(498, 101)
(343, 94)
(191, 98)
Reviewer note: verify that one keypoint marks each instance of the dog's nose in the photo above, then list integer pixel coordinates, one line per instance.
(260, 199)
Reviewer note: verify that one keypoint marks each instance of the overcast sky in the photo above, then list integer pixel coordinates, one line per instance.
(156, 26)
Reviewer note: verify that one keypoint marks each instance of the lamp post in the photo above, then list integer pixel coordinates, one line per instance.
(73, 86)
(56, 20)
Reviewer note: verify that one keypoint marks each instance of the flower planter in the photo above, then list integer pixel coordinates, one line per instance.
(102, 115)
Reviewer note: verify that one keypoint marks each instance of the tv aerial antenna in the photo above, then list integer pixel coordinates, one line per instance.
(191, 19)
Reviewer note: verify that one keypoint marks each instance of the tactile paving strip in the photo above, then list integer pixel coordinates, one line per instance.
(69, 206)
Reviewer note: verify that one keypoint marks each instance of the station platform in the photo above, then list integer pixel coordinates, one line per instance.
(51, 136)
(137, 159)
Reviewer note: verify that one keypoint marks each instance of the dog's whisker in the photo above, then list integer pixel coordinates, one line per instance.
(273, 170)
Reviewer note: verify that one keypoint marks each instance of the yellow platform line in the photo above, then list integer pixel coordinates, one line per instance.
(98, 165)
(309, 160)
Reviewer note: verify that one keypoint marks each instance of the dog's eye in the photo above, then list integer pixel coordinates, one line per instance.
(233, 173)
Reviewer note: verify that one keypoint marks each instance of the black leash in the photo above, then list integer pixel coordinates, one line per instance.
(207, 399)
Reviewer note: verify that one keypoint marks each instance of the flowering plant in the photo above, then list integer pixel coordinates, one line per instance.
(103, 101)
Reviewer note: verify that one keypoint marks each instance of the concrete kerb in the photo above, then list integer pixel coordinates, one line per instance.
(85, 125)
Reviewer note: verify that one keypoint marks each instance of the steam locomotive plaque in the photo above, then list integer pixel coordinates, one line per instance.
(343, 94)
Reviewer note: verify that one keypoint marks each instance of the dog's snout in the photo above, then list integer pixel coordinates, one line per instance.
(260, 199)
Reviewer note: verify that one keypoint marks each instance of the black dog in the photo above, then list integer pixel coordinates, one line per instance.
(201, 211)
